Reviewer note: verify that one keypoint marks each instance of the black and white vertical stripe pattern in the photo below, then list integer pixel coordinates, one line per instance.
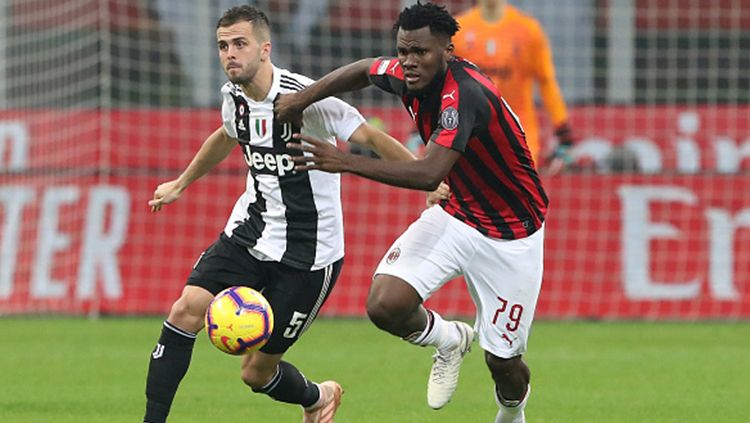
(291, 217)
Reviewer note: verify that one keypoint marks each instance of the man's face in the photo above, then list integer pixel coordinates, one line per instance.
(240, 51)
(422, 55)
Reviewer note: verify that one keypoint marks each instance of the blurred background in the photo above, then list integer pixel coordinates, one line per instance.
(101, 100)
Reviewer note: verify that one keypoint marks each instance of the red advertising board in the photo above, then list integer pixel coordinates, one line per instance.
(77, 236)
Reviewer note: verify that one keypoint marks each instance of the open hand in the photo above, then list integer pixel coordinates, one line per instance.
(165, 193)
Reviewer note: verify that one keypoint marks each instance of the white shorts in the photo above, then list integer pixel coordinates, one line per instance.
(503, 276)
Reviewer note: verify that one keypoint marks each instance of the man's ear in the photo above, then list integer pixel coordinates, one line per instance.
(265, 51)
(449, 50)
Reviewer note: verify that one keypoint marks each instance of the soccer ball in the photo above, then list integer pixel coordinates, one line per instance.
(239, 320)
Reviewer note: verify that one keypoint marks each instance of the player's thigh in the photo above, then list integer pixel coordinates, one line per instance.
(225, 264)
(504, 278)
(428, 253)
(220, 266)
(296, 297)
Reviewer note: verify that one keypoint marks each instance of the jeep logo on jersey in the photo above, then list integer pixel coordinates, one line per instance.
(268, 161)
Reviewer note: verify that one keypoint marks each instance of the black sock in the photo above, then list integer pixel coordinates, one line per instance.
(169, 363)
(289, 385)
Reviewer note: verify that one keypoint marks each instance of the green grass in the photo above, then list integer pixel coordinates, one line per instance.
(75, 370)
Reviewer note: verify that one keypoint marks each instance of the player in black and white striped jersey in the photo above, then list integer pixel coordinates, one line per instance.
(285, 234)
(290, 217)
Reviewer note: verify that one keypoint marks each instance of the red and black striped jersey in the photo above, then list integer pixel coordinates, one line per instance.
(494, 184)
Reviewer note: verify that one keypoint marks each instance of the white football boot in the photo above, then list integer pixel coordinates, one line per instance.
(445, 367)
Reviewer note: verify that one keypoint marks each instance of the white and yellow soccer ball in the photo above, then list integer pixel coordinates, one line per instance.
(239, 320)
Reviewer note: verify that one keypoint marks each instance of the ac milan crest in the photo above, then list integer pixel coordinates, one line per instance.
(393, 255)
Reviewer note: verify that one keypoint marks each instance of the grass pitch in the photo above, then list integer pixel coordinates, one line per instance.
(76, 370)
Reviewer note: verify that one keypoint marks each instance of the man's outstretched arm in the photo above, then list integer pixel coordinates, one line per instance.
(351, 77)
(214, 149)
(422, 174)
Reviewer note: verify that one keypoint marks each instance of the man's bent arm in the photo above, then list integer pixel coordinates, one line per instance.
(422, 174)
(215, 148)
(383, 144)
(352, 77)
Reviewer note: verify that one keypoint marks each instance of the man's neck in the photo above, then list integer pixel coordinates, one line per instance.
(493, 11)
(432, 87)
(258, 89)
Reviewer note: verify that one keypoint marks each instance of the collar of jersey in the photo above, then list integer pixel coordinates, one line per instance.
(272, 93)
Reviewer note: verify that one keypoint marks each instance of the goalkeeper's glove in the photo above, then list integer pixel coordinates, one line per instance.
(565, 142)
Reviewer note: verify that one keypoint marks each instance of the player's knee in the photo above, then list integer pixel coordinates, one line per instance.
(384, 313)
(391, 302)
(508, 369)
(378, 313)
(256, 377)
(250, 378)
(188, 311)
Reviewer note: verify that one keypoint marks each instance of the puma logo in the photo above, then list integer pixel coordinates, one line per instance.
(508, 340)
(450, 95)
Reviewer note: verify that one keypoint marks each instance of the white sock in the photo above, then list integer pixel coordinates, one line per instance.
(509, 412)
(439, 333)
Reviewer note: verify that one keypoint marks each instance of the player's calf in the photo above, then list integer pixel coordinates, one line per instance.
(169, 363)
(289, 385)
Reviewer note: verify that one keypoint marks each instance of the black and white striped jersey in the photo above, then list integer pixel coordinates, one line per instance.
(291, 217)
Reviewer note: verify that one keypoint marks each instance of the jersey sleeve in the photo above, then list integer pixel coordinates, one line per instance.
(459, 114)
(228, 112)
(544, 73)
(332, 117)
(386, 73)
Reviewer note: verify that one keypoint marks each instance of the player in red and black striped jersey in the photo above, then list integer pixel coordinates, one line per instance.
(490, 229)
(495, 186)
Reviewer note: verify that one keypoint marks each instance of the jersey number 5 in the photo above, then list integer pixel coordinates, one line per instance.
(295, 325)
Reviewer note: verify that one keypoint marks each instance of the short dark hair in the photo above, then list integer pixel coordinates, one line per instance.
(255, 16)
(429, 14)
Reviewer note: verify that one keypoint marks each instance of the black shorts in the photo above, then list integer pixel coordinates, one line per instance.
(295, 295)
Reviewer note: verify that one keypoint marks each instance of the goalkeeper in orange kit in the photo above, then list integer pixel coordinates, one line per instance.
(511, 48)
